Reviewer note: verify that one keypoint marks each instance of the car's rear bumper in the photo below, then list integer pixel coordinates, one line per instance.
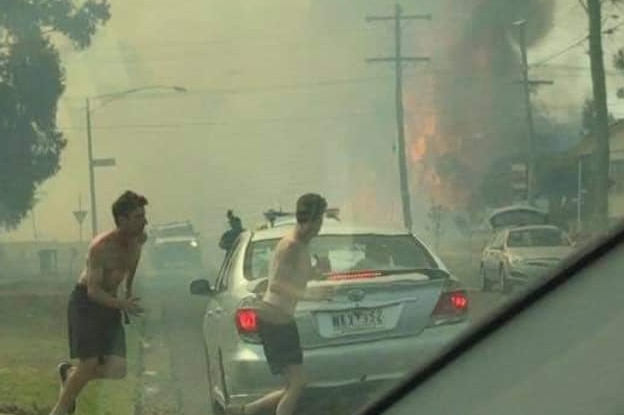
(248, 375)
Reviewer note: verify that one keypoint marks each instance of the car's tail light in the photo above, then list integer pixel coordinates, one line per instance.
(452, 307)
(246, 320)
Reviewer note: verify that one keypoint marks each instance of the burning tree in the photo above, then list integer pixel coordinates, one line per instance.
(466, 114)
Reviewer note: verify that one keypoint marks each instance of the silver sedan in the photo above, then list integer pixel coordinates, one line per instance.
(394, 306)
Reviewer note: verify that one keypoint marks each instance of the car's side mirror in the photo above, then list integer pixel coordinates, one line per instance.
(201, 287)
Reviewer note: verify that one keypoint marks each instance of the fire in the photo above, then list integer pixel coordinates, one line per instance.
(418, 144)
(418, 148)
(372, 201)
(440, 161)
(453, 111)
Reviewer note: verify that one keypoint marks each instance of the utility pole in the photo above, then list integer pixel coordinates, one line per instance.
(398, 59)
(91, 172)
(527, 84)
(600, 134)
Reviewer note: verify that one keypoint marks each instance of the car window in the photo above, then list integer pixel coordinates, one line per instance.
(537, 238)
(225, 275)
(345, 253)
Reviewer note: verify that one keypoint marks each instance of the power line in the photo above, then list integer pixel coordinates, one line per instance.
(561, 52)
(267, 88)
(267, 120)
(575, 44)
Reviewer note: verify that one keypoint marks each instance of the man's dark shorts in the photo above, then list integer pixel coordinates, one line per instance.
(281, 344)
(94, 330)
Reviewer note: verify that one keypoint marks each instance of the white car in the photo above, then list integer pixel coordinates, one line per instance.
(174, 246)
(392, 298)
(520, 255)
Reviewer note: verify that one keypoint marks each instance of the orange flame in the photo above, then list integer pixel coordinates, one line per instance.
(428, 146)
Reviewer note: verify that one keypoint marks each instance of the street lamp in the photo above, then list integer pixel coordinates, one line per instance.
(108, 162)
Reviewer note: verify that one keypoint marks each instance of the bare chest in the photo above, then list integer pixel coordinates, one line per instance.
(117, 264)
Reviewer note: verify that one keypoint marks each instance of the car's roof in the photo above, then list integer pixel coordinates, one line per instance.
(177, 238)
(515, 208)
(497, 215)
(533, 227)
(332, 228)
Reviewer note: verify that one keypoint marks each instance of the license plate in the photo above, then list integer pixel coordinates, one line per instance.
(357, 320)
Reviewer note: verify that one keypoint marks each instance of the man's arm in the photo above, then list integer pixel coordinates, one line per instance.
(130, 277)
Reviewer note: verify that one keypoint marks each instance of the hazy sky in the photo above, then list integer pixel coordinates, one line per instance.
(280, 101)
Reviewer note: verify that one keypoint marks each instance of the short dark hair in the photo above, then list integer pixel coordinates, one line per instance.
(126, 203)
(310, 207)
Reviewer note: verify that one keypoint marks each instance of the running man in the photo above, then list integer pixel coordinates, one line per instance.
(96, 333)
(290, 271)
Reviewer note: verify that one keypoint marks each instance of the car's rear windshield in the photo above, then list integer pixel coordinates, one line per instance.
(344, 253)
(546, 237)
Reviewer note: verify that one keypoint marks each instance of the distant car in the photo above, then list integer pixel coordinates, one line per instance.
(520, 255)
(174, 246)
(392, 297)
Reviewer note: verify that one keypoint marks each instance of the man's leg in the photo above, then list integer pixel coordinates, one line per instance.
(296, 382)
(112, 367)
(77, 377)
(267, 402)
(109, 367)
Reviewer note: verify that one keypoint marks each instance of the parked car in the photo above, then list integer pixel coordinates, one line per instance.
(520, 255)
(174, 246)
(392, 297)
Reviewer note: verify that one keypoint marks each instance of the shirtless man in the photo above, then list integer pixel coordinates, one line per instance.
(289, 274)
(96, 333)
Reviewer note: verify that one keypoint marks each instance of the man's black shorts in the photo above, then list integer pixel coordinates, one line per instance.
(94, 330)
(281, 344)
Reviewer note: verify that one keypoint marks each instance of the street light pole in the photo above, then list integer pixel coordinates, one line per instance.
(93, 162)
(91, 172)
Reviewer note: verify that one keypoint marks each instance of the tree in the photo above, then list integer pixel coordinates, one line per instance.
(31, 83)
